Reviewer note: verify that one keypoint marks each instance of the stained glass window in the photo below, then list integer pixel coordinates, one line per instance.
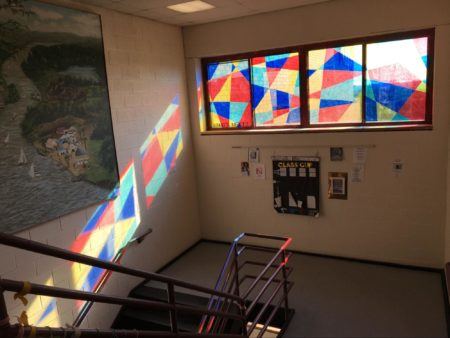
(229, 94)
(335, 85)
(275, 89)
(349, 83)
(396, 80)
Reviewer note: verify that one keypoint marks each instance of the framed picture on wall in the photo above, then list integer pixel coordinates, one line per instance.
(337, 185)
(58, 152)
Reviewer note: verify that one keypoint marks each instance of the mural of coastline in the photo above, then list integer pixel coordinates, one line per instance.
(57, 150)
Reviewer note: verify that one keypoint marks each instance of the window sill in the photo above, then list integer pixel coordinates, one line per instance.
(379, 128)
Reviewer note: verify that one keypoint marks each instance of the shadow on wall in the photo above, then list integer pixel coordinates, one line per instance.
(115, 221)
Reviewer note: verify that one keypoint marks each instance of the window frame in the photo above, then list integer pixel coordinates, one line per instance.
(303, 50)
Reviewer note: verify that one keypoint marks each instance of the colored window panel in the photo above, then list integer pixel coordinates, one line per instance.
(396, 81)
(276, 90)
(335, 85)
(229, 94)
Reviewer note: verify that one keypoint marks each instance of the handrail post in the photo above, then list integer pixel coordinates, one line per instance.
(236, 291)
(285, 285)
(173, 312)
(4, 318)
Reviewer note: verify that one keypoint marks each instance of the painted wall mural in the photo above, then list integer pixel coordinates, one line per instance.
(57, 151)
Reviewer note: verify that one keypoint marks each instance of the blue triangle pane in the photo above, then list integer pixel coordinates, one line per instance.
(332, 103)
(341, 62)
(279, 63)
(222, 109)
(282, 100)
(389, 95)
(211, 69)
(246, 73)
(371, 110)
(311, 72)
(258, 94)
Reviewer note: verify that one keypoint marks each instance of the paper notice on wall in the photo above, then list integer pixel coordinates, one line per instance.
(259, 171)
(357, 173)
(292, 172)
(360, 155)
(311, 202)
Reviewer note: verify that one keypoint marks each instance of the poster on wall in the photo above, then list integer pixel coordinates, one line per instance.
(57, 151)
(296, 185)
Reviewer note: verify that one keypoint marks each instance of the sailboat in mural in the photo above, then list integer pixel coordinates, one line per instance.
(32, 172)
(22, 157)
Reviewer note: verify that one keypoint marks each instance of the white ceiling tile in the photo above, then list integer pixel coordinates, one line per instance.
(225, 9)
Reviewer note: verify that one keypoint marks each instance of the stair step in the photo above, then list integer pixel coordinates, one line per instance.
(158, 294)
(186, 323)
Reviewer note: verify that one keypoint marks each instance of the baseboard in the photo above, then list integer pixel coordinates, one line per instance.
(172, 261)
(350, 259)
(445, 291)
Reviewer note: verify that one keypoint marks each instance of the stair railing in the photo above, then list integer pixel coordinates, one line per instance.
(230, 281)
(8, 330)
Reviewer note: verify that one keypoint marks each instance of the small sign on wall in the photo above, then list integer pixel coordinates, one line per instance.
(253, 155)
(259, 171)
(336, 154)
(245, 169)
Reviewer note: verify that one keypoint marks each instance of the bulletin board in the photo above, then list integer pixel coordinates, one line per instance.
(296, 185)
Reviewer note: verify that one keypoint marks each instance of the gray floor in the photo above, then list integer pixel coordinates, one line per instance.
(337, 298)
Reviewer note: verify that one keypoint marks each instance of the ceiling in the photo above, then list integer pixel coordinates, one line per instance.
(224, 9)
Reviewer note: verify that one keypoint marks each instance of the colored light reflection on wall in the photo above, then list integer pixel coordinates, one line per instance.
(43, 311)
(108, 230)
(200, 102)
(114, 222)
(161, 150)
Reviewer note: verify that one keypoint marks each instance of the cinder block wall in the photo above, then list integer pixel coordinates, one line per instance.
(145, 67)
(386, 218)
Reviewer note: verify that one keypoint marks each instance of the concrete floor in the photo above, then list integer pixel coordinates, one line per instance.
(338, 298)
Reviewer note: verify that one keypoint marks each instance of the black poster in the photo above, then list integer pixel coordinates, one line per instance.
(296, 185)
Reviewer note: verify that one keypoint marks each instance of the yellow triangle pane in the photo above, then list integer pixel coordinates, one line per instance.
(384, 113)
(224, 94)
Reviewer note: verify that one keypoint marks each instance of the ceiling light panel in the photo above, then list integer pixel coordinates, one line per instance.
(191, 6)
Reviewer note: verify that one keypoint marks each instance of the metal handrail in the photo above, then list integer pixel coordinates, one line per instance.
(53, 291)
(43, 290)
(29, 245)
(231, 265)
(217, 314)
(20, 331)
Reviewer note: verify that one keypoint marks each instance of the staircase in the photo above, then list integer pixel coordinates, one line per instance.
(250, 297)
